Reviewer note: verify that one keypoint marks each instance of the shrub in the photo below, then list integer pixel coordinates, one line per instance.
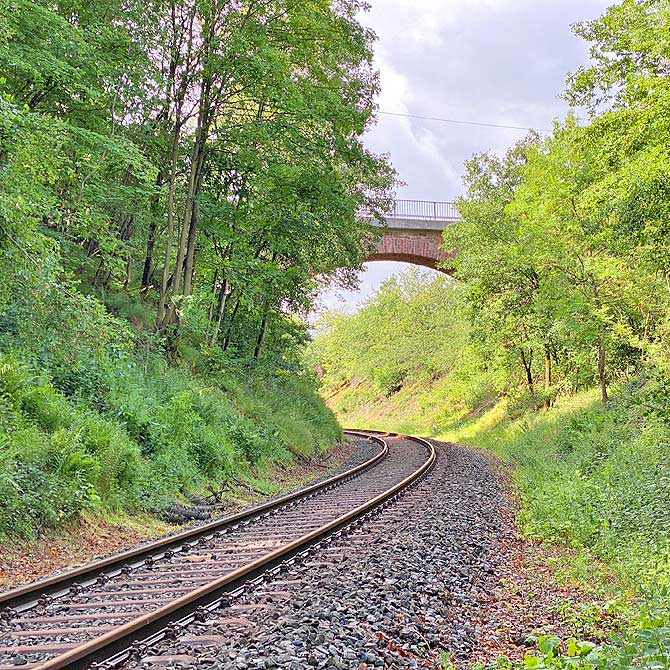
(47, 408)
(646, 645)
(112, 432)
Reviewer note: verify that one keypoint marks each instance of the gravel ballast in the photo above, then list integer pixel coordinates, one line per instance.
(402, 590)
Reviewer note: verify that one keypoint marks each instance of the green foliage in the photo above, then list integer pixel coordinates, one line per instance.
(104, 169)
(173, 178)
(405, 360)
(48, 476)
(563, 242)
(157, 433)
(396, 337)
(645, 645)
(592, 478)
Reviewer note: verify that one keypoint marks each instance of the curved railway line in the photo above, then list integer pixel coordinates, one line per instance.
(111, 609)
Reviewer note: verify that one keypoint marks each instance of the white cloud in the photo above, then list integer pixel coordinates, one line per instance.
(495, 61)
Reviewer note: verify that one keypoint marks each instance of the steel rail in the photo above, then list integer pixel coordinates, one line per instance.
(155, 621)
(28, 595)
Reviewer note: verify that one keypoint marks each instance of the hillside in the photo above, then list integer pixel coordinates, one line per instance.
(167, 199)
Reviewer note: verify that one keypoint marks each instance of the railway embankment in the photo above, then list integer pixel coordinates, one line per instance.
(95, 535)
(589, 469)
(88, 614)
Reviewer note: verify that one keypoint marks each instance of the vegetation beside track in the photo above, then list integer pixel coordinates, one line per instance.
(99, 531)
(552, 348)
(177, 180)
(591, 476)
(593, 479)
(148, 436)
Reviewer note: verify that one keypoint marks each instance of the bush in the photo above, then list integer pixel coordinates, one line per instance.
(599, 480)
(44, 406)
(646, 645)
(43, 485)
(93, 416)
(146, 436)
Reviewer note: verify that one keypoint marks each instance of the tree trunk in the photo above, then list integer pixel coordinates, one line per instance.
(91, 247)
(189, 222)
(179, 263)
(547, 376)
(223, 296)
(210, 309)
(195, 212)
(174, 154)
(105, 276)
(604, 397)
(190, 248)
(149, 256)
(176, 92)
(99, 272)
(528, 367)
(147, 268)
(229, 331)
(261, 333)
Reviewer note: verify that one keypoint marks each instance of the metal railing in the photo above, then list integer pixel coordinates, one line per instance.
(424, 209)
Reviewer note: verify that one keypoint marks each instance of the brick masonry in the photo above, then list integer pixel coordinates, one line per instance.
(419, 247)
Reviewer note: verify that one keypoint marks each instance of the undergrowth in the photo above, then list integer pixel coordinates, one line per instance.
(645, 644)
(151, 435)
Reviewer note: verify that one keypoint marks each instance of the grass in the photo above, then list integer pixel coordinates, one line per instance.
(152, 436)
(591, 478)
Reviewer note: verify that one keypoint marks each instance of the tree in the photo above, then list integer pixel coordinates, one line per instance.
(496, 260)
(628, 48)
(207, 154)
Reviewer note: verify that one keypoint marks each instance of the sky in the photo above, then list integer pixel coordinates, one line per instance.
(491, 61)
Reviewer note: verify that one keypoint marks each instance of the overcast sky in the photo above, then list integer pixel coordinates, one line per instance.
(490, 61)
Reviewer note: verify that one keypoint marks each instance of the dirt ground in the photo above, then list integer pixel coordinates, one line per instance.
(536, 596)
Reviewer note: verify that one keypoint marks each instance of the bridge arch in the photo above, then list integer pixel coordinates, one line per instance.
(413, 233)
(413, 247)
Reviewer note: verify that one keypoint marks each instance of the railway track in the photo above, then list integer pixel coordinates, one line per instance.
(100, 611)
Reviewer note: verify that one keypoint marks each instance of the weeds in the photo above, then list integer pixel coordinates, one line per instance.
(646, 645)
(148, 437)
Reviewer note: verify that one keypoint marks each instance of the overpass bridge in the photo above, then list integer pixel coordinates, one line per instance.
(413, 232)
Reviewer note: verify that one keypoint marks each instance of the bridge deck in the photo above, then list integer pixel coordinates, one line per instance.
(420, 215)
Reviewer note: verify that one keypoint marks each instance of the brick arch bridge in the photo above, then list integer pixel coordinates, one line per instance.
(413, 232)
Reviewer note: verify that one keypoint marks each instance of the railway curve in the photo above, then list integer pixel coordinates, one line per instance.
(101, 611)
